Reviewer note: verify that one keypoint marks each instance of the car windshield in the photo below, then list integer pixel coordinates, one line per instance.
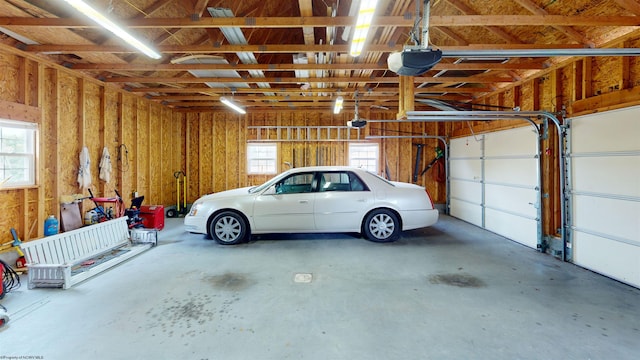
(259, 188)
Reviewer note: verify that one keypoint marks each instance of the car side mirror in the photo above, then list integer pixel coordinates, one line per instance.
(270, 191)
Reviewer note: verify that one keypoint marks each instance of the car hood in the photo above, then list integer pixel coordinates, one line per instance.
(226, 194)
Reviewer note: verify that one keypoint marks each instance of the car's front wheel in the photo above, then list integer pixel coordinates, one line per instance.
(381, 225)
(228, 228)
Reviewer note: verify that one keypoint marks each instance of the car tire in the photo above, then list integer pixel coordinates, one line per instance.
(381, 225)
(228, 228)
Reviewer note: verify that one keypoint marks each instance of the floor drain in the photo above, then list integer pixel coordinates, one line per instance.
(303, 278)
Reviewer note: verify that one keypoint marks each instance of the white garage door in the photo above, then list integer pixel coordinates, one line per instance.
(604, 164)
(494, 183)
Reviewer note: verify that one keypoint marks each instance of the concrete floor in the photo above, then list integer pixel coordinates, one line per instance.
(452, 291)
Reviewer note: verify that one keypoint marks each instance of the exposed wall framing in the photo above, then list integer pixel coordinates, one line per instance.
(149, 142)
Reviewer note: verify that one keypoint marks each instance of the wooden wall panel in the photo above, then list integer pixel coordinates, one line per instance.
(206, 153)
(10, 66)
(68, 128)
(110, 138)
(154, 192)
(126, 152)
(49, 142)
(92, 139)
(605, 72)
(142, 147)
(166, 152)
(73, 111)
(232, 154)
(219, 160)
(193, 159)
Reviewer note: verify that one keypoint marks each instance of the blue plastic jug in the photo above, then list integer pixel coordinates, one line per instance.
(50, 226)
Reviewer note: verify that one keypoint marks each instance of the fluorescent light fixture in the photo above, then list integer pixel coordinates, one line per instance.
(365, 16)
(337, 106)
(106, 23)
(232, 105)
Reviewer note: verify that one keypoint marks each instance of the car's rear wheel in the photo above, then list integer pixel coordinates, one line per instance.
(381, 225)
(228, 228)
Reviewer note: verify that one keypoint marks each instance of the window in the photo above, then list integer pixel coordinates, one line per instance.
(262, 158)
(17, 153)
(340, 181)
(295, 184)
(365, 156)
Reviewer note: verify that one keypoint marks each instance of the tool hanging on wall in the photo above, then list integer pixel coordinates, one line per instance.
(416, 167)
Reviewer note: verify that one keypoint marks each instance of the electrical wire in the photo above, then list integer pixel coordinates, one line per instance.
(10, 279)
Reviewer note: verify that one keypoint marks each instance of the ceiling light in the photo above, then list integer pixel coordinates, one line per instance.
(365, 16)
(106, 23)
(337, 106)
(232, 105)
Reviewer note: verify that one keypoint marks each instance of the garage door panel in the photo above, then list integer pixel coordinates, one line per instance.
(510, 199)
(470, 169)
(468, 212)
(620, 127)
(512, 171)
(604, 223)
(465, 147)
(466, 190)
(513, 142)
(615, 259)
(602, 174)
(493, 185)
(620, 219)
(514, 227)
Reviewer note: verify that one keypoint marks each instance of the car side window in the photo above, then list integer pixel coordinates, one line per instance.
(340, 181)
(295, 184)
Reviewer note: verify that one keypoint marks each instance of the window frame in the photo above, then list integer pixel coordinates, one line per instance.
(376, 160)
(30, 156)
(250, 159)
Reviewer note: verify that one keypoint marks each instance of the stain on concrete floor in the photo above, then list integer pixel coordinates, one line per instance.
(459, 280)
(228, 281)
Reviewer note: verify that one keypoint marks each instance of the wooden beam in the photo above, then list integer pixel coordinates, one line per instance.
(563, 27)
(222, 91)
(524, 65)
(324, 21)
(294, 80)
(469, 12)
(271, 48)
(406, 99)
(170, 99)
(608, 101)
(187, 23)
(631, 5)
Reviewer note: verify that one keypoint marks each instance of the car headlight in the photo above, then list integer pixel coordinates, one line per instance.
(194, 209)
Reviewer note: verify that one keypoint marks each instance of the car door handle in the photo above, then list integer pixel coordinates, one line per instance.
(304, 201)
(361, 200)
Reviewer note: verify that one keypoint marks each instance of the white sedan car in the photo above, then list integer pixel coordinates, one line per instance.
(314, 200)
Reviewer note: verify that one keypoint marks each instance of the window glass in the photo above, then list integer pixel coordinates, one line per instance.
(17, 153)
(341, 181)
(295, 184)
(365, 156)
(262, 158)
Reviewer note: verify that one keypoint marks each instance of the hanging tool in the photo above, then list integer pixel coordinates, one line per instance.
(439, 154)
